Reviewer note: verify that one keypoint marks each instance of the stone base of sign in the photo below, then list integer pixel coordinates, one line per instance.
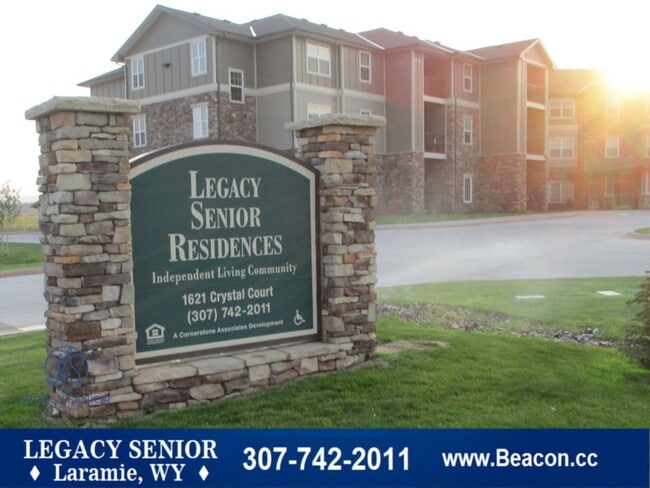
(85, 217)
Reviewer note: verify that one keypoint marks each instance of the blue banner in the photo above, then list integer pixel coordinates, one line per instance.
(324, 458)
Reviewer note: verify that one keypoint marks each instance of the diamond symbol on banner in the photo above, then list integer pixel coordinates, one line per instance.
(34, 473)
(204, 473)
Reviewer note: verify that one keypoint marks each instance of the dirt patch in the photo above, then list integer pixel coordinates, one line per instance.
(399, 346)
(467, 319)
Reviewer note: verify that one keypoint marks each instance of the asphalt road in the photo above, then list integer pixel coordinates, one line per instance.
(576, 244)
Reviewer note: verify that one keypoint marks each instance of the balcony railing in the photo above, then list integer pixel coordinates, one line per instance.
(434, 143)
(535, 93)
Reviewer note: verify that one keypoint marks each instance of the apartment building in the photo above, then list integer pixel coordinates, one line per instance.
(599, 143)
(466, 130)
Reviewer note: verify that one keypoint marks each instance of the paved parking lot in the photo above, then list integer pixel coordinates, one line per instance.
(575, 244)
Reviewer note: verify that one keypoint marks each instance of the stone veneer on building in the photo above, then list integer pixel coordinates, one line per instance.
(85, 220)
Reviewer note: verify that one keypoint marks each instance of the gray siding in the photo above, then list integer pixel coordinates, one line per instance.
(238, 55)
(499, 108)
(301, 65)
(165, 31)
(170, 69)
(354, 105)
(398, 102)
(303, 98)
(351, 67)
(274, 62)
(110, 88)
(273, 111)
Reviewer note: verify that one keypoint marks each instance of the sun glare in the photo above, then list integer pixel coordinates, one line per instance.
(629, 79)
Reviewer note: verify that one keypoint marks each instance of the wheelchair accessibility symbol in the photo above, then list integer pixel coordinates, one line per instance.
(298, 319)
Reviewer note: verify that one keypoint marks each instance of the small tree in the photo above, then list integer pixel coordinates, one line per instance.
(638, 344)
(9, 210)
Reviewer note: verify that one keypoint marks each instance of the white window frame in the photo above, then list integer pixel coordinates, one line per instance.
(647, 146)
(234, 88)
(564, 191)
(612, 105)
(612, 147)
(200, 124)
(468, 192)
(317, 110)
(365, 68)
(467, 131)
(468, 81)
(645, 183)
(199, 58)
(137, 73)
(563, 146)
(322, 54)
(139, 131)
(562, 108)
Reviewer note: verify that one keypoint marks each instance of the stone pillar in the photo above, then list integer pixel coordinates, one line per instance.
(341, 147)
(84, 217)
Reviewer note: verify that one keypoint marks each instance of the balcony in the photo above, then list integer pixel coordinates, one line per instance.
(436, 87)
(434, 143)
(535, 93)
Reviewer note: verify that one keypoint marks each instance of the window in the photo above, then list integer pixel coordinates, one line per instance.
(199, 60)
(200, 120)
(467, 77)
(645, 183)
(560, 191)
(647, 146)
(316, 110)
(467, 129)
(139, 124)
(364, 66)
(318, 59)
(561, 147)
(137, 73)
(611, 146)
(612, 106)
(562, 108)
(236, 77)
(467, 188)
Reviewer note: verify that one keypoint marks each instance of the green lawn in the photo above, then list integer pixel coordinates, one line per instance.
(425, 219)
(15, 256)
(479, 380)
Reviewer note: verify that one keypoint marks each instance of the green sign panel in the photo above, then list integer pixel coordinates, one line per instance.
(224, 248)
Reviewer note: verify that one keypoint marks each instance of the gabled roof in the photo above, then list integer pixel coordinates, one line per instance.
(389, 39)
(256, 29)
(206, 24)
(572, 81)
(511, 50)
(280, 24)
(113, 74)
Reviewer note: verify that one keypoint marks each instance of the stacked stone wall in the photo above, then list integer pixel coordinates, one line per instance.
(400, 183)
(171, 122)
(85, 221)
(503, 183)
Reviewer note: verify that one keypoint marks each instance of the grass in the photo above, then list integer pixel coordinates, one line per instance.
(643, 230)
(20, 256)
(422, 219)
(569, 304)
(25, 222)
(480, 380)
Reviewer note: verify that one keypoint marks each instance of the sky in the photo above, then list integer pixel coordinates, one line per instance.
(52, 46)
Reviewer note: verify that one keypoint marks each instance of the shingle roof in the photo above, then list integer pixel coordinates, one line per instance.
(509, 50)
(572, 81)
(116, 73)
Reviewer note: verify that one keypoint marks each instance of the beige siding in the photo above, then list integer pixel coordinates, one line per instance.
(536, 55)
(459, 90)
(301, 65)
(170, 69)
(274, 62)
(499, 108)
